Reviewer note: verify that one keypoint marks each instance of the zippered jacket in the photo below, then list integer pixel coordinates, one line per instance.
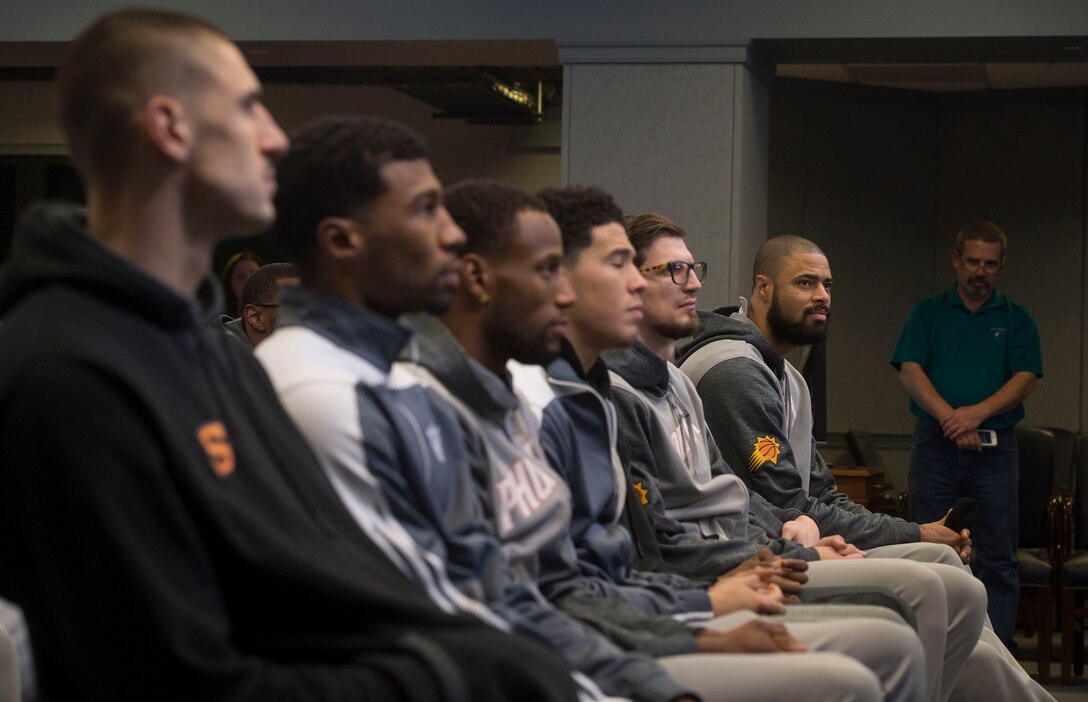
(579, 433)
(699, 508)
(528, 507)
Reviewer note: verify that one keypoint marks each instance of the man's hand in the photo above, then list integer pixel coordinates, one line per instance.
(794, 569)
(804, 530)
(938, 533)
(841, 547)
(754, 637)
(970, 441)
(961, 420)
(750, 591)
(763, 557)
(788, 576)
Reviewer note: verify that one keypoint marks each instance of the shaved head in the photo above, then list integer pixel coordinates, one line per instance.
(110, 71)
(774, 253)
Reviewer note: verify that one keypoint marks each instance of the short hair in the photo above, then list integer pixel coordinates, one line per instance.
(644, 229)
(487, 211)
(578, 209)
(981, 230)
(772, 256)
(334, 170)
(263, 286)
(111, 69)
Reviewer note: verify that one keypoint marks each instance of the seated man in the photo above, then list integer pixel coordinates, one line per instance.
(259, 302)
(689, 488)
(512, 304)
(579, 421)
(377, 245)
(165, 529)
(382, 438)
(752, 395)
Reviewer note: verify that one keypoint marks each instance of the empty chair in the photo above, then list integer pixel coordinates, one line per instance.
(1045, 468)
(1074, 572)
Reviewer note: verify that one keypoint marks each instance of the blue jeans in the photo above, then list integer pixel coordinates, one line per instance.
(940, 474)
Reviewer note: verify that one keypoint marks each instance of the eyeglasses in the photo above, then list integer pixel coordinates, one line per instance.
(680, 270)
(988, 266)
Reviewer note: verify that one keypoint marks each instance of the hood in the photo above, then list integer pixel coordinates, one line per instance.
(366, 333)
(729, 323)
(641, 367)
(436, 348)
(52, 248)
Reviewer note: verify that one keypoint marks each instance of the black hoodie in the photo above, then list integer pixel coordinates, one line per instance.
(166, 530)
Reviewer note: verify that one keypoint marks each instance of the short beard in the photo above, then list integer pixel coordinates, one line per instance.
(794, 332)
(678, 330)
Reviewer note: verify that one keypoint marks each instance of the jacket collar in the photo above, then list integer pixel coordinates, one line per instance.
(373, 336)
(641, 367)
(437, 349)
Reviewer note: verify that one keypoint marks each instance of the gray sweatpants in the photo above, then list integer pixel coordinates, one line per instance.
(889, 650)
(9, 669)
(949, 604)
(993, 674)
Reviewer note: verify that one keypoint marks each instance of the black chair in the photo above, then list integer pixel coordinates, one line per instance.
(1074, 572)
(1045, 469)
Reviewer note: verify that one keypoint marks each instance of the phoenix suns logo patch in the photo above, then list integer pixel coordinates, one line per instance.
(213, 437)
(642, 493)
(765, 449)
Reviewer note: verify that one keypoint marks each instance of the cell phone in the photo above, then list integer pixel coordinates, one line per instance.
(962, 514)
(988, 437)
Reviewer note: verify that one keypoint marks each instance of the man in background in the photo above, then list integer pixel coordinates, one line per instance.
(260, 302)
(969, 357)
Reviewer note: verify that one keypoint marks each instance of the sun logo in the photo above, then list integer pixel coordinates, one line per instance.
(766, 449)
(642, 492)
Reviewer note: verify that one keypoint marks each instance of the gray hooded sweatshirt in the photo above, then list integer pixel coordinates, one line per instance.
(759, 410)
(705, 519)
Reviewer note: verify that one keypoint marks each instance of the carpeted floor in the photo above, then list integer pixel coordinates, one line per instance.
(1077, 692)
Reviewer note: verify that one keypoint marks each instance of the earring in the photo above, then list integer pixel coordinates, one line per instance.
(484, 299)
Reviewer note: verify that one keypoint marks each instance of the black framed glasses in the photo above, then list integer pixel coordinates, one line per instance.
(680, 271)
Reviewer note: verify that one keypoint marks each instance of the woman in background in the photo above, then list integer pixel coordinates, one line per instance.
(235, 274)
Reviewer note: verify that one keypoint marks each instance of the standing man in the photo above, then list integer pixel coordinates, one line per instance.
(969, 357)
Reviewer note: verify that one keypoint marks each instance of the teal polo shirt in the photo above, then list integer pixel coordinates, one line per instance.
(969, 356)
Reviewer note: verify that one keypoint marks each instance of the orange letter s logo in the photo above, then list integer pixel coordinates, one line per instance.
(213, 437)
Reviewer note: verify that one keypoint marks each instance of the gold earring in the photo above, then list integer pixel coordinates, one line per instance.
(484, 299)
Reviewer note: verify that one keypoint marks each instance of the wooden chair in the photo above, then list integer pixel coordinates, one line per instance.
(1074, 572)
(1045, 466)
